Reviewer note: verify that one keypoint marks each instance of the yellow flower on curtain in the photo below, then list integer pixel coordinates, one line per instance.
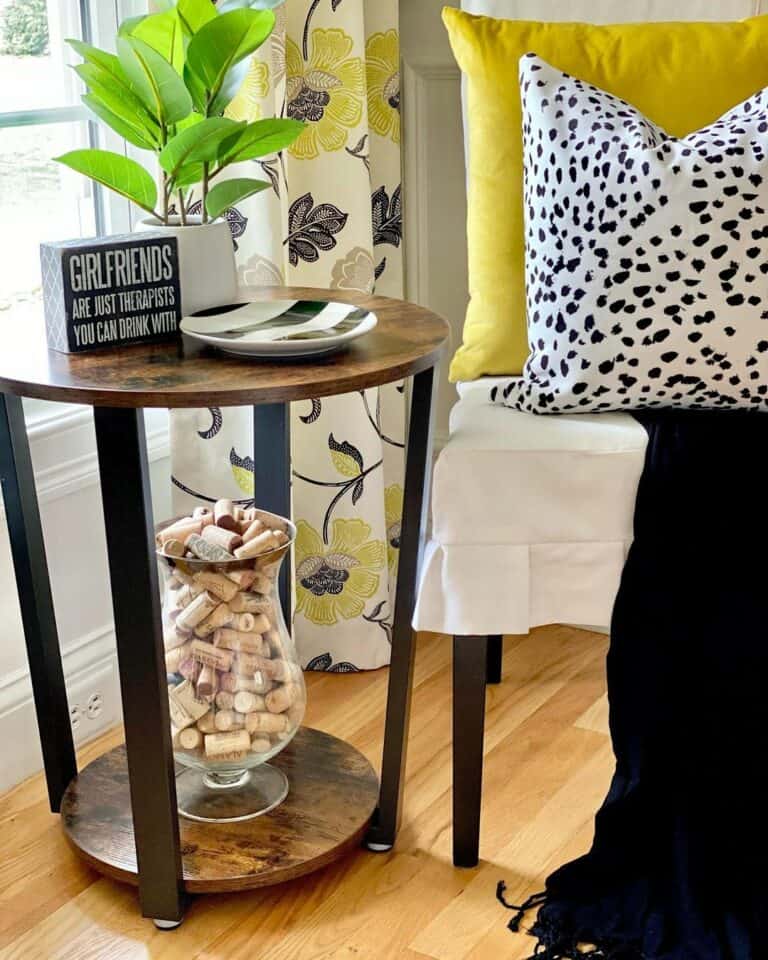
(382, 65)
(335, 581)
(327, 92)
(393, 512)
(246, 103)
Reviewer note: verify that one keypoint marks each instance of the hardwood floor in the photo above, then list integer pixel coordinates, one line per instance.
(548, 762)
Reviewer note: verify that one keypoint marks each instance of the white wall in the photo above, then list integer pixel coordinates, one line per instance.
(62, 444)
(434, 177)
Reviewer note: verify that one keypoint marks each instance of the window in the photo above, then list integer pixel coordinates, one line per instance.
(41, 116)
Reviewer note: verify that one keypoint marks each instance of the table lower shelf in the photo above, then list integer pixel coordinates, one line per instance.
(333, 794)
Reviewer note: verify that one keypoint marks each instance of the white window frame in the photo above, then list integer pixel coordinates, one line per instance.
(98, 21)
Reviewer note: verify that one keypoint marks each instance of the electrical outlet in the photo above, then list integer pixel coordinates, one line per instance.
(94, 706)
(76, 715)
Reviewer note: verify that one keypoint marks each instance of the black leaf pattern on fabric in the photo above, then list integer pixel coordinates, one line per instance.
(323, 662)
(357, 151)
(357, 491)
(377, 609)
(347, 449)
(244, 463)
(317, 408)
(387, 216)
(216, 421)
(380, 268)
(311, 229)
(335, 4)
(344, 667)
(237, 221)
(274, 177)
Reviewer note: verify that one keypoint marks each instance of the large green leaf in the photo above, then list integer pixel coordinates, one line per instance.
(101, 58)
(194, 14)
(259, 139)
(198, 143)
(157, 83)
(189, 175)
(119, 173)
(115, 87)
(226, 194)
(217, 47)
(162, 31)
(120, 124)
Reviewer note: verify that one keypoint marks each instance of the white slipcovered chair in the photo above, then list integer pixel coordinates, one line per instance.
(531, 515)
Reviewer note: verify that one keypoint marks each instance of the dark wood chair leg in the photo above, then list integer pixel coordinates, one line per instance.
(470, 659)
(495, 654)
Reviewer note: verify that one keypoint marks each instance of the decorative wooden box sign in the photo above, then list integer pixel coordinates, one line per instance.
(110, 291)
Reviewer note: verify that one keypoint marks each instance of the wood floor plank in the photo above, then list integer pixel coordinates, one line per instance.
(546, 767)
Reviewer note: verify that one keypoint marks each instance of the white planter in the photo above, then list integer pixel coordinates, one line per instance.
(206, 261)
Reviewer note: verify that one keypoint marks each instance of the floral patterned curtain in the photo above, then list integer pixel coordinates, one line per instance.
(331, 219)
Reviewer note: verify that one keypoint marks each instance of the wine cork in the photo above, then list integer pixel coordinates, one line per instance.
(174, 548)
(211, 656)
(274, 642)
(195, 612)
(247, 702)
(225, 746)
(216, 584)
(281, 698)
(244, 622)
(260, 744)
(226, 539)
(174, 582)
(266, 723)
(225, 700)
(179, 530)
(250, 603)
(281, 536)
(250, 663)
(190, 738)
(243, 578)
(184, 706)
(174, 658)
(205, 550)
(207, 684)
(261, 543)
(233, 682)
(205, 724)
(224, 514)
(220, 617)
(189, 669)
(228, 720)
(204, 515)
(239, 642)
(174, 638)
(283, 670)
(253, 530)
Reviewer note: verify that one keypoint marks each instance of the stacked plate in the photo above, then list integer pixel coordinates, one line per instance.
(277, 329)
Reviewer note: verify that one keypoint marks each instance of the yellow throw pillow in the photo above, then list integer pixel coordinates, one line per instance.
(681, 75)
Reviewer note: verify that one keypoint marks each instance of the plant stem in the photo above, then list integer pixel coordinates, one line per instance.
(203, 210)
(165, 198)
(182, 209)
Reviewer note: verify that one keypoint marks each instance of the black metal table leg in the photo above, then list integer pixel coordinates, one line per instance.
(470, 658)
(133, 573)
(37, 614)
(418, 474)
(272, 477)
(495, 646)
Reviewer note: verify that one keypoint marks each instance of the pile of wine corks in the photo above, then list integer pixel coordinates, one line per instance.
(238, 689)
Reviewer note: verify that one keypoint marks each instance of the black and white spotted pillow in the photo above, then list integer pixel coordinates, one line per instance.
(646, 256)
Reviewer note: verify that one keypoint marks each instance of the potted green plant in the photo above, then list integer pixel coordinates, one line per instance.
(165, 91)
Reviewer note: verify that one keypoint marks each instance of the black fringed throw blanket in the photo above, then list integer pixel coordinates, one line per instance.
(679, 865)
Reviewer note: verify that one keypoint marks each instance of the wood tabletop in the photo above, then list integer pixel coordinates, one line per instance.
(186, 373)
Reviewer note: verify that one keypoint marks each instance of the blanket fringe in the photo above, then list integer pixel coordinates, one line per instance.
(553, 944)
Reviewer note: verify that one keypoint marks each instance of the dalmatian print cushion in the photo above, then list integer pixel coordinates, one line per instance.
(646, 256)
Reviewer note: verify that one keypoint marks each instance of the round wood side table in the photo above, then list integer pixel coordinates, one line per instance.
(120, 811)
